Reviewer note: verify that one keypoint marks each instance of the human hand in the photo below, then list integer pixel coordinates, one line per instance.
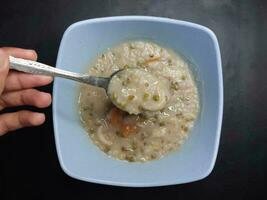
(16, 89)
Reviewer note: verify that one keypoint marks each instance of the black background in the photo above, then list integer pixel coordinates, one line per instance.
(28, 162)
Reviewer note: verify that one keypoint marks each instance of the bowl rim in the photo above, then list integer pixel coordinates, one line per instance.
(220, 97)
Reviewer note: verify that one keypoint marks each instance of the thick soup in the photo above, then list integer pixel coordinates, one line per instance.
(161, 97)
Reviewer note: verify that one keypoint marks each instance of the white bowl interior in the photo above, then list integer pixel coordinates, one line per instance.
(81, 159)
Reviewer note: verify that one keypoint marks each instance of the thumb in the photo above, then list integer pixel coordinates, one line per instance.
(4, 62)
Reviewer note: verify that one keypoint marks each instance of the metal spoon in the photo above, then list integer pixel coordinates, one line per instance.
(34, 67)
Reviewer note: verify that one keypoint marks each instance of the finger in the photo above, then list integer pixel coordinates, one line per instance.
(18, 80)
(30, 97)
(20, 119)
(3, 69)
(21, 53)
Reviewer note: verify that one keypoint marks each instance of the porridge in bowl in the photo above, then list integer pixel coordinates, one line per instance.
(159, 93)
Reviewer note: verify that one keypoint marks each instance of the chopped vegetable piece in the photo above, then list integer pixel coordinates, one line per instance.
(184, 128)
(106, 148)
(155, 97)
(175, 86)
(131, 47)
(145, 97)
(114, 97)
(154, 59)
(125, 66)
(128, 129)
(130, 97)
(128, 80)
(120, 105)
(161, 124)
(130, 158)
(183, 77)
(119, 76)
(116, 117)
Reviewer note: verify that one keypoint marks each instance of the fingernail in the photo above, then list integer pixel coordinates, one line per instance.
(38, 119)
(33, 53)
(46, 78)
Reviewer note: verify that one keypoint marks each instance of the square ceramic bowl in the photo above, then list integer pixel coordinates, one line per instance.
(81, 159)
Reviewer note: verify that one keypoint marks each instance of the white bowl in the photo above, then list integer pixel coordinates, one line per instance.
(81, 159)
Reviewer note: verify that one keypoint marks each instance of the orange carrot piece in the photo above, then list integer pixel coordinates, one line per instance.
(128, 129)
(151, 60)
(116, 117)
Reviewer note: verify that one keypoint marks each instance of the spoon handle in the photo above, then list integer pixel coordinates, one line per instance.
(34, 67)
